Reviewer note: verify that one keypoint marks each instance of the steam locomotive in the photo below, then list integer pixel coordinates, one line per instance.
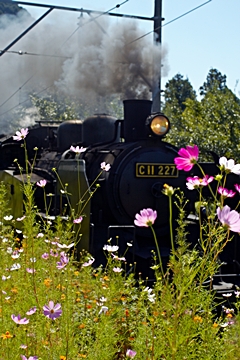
(141, 163)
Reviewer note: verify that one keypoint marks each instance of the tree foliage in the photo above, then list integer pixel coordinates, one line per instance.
(213, 123)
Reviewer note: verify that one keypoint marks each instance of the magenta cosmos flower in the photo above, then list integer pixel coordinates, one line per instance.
(51, 311)
(146, 218)
(17, 319)
(30, 357)
(225, 192)
(20, 135)
(195, 182)
(78, 221)
(188, 157)
(237, 187)
(229, 219)
(131, 353)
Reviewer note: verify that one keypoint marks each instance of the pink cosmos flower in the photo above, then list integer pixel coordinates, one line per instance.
(225, 192)
(64, 260)
(53, 253)
(30, 357)
(31, 311)
(30, 270)
(41, 183)
(229, 165)
(237, 187)
(229, 219)
(20, 135)
(146, 218)
(45, 256)
(117, 269)
(115, 257)
(105, 167)
(78, 221)
(131, 353)
(195, 182)
(17, 319)
(78, 149)
(188, 157)
(51, 311)
(89, 262)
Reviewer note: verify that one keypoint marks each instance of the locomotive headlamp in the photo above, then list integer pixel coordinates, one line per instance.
(158, 124)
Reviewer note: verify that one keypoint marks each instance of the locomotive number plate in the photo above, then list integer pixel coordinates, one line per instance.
(156, 170)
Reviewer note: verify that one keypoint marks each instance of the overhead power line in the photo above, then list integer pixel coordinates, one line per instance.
(169, 22)
(26, 53)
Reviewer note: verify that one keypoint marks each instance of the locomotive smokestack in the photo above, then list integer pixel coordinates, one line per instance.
(135, 115)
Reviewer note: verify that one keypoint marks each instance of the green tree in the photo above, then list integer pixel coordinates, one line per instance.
(177, 91)
(213, 123)
(214, 80)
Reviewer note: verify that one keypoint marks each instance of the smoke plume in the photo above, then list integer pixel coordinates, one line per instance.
(100, 59)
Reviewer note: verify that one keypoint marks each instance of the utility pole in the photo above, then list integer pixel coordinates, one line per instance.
(157, 33)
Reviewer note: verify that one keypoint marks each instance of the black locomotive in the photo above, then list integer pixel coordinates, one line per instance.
(141, 163)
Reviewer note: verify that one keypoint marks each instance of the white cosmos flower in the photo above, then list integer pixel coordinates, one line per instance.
(64, 246)
(229, 165)
(8, 218)
(111, 248)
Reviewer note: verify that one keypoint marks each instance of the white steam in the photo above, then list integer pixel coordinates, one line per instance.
(99, 60)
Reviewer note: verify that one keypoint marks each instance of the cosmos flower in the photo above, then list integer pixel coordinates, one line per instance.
(64, 260)
(105, 167)
(195, 182)
(45, 256)
(146, 218)
(78, 149)
(30, 357)
(115, 257)
(30, 270)
(8, 218)
(42, 183)
(131, 353)
(89, 262)
(17, 319)
(15, 267)
(103, 310)
(237, 187)
(64, 246)
(31, 311)
(51, 311)
(111, 248)
(229, 165)
(78, 221)
(20, 135)
(188, 157)
(117, 269)
(229, 219)
(225, 192)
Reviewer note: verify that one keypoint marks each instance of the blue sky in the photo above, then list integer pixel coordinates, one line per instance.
(206, 38)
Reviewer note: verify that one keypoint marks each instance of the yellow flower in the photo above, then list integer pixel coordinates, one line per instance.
(62, 357)
(197, 319)
(63, 296)
(14, 290)
(7, 335)
(47, 282)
